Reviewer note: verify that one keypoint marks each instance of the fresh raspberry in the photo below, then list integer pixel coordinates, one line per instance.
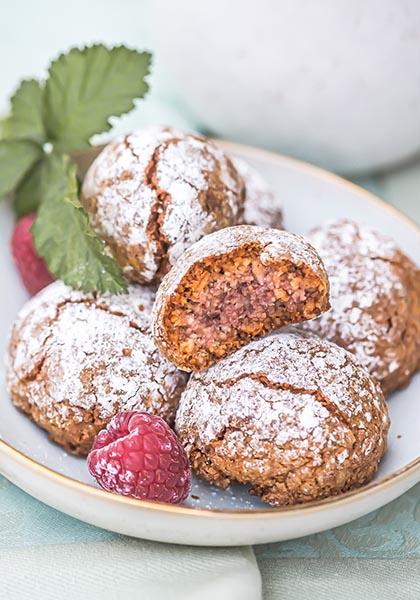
(139, 455)
(31, 267)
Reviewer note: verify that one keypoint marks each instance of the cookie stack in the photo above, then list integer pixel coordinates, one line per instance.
(297, 414)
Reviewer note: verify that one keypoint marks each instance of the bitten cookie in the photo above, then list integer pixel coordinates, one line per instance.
(261, 207)
(153, 193)
(76, 359)
(375, 300)
(234, 285)
(294, 416)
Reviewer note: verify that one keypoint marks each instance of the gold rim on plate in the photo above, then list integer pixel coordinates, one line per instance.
(84, 158)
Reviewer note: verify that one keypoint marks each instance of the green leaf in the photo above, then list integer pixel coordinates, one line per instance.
(64, 237)
(26, 118)
(2, 127)
(16, 158)
(86, 87)
(29, 193)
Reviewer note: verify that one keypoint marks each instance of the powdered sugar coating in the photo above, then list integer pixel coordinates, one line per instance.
(73, 353)
(294, 415)
(261, 206)
(294, 360)
(154, 192)
(375, 299)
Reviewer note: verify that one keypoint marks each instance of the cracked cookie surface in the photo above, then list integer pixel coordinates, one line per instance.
(153, 193)
(232, 286)
(292, 415)
(375, 300)
(76, 359)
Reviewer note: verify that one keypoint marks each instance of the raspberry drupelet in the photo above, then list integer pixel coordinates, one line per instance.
(139, 455)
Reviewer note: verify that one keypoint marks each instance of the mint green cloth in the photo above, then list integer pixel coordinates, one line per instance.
(393, 531)
(345, 579)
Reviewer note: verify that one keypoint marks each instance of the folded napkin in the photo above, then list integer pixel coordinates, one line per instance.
(128, 568)
(46, 554)
(345, 579)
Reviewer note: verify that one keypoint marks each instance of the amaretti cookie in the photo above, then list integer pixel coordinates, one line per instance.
(293, 416)
(76, 359)
(153, 193)
(234, 285)
(375, 300)
(262, 207)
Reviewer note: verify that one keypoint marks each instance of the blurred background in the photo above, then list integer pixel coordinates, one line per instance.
(333, 82)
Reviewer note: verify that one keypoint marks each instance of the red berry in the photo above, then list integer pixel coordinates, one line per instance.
(32, 268)
(139, 455)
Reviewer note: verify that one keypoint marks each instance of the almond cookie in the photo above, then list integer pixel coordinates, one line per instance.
(153, 193)
(262, 207)
(293, 416)
(375, 300)
(76, 359)
(234, 285)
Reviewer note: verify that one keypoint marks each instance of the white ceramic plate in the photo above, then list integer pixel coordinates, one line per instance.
(213, 517)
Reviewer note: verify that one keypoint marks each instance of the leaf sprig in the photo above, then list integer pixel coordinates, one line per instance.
(49, 120)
